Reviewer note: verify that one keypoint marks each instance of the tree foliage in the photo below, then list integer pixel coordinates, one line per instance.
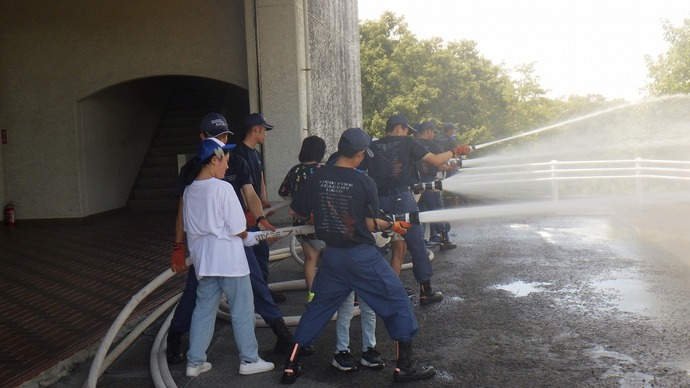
(450, 82)
(670, 72)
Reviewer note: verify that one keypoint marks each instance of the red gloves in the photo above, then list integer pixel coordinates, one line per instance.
(400, 227)
(249, 216)
(264, 224)
(462, 150)
(177, 263)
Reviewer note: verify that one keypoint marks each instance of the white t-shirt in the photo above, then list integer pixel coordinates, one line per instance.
(213, 217)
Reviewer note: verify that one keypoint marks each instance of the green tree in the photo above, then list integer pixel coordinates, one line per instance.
(670, 72)
(431, 79)
(427, 79)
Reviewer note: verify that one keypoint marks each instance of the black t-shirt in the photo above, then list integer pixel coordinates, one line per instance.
(445, 142)
(392, 165)
(427, 171)
(340, 198)
(253, 159)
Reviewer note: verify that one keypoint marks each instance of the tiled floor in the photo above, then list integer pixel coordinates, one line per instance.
(63, 285)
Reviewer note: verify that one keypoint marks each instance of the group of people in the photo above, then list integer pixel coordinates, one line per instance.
(349, 200)
(221, 236)
(426, 134)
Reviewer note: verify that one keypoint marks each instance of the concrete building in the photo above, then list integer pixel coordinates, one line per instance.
(97, 99)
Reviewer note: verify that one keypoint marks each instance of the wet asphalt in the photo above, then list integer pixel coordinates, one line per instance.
(562, 300)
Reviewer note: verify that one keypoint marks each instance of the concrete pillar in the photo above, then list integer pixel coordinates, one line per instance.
(276, 56)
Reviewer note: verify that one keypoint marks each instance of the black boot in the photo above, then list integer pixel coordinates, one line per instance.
(427, 296)
(445, 242)
(278, 297)
(292, 369)
(286, 340)
(173, 352)
(405, 370)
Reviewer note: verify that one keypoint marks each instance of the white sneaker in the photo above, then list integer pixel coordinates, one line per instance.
(256, 367)
(196, 370)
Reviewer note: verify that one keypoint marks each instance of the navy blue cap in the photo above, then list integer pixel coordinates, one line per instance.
(257, 119)
(214, 124)
(355, 139)
(212, 146)
(399, 120)
(428, 124)
(449, 127)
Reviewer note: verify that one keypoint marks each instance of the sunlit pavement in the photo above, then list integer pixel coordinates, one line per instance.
(558, 301)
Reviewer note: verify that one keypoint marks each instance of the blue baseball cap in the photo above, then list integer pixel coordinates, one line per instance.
(214, 124)
(257, 119)
(212, 146)
(355, 139)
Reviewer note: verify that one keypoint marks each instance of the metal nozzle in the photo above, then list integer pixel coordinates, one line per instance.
(419, 187)
(412, 217)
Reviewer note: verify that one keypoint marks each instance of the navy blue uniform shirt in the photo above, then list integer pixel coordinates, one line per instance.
(392, 166)
(341, 199)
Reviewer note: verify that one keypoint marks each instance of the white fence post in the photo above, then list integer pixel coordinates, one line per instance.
(638, 180)
(554, 182)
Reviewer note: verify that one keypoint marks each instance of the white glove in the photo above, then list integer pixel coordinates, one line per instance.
(380, 240)
(250, 239)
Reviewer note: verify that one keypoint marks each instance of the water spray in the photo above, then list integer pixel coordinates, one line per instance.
(559, 124)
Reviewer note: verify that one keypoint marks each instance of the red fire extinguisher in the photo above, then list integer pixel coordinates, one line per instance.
(9, 214)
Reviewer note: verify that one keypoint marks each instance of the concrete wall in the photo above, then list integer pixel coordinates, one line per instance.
(117, 126)
(53, 55)
(79, 114)
(324, 100)
(336, 95)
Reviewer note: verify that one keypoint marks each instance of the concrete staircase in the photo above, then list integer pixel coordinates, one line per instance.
(177, 133)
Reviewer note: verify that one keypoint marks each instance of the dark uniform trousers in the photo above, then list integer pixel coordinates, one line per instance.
(403, 202)
(363, 270)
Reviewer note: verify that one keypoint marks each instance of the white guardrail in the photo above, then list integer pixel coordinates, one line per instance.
(638, 170)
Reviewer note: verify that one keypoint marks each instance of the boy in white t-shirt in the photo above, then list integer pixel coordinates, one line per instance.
(216, 235)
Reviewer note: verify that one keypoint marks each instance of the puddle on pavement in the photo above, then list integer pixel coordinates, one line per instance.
(626, 292)
(631, 293)
(636, 380)
(444, 376)
(684, 365)
(599, 352)
(521, 288)
(547, 236)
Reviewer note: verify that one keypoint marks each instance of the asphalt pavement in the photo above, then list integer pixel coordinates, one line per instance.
(562, 300)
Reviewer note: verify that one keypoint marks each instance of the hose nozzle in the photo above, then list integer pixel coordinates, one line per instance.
(419, 187)
(412, 217)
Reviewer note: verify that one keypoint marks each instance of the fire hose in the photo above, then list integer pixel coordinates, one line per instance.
(162, 377)
(102, 360)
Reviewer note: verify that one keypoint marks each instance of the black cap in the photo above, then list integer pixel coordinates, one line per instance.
(257, 119)
(427, 125)
(214, 124)
(398, 120)
(355, 139)
(449, 127)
